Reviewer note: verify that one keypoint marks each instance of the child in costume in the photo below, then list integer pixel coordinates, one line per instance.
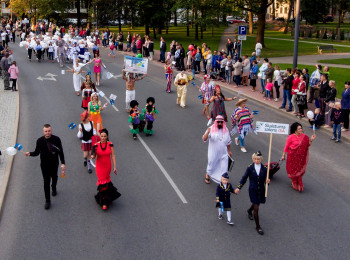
(223, 192)
(149, 115)
(168, 76)
(135, 118)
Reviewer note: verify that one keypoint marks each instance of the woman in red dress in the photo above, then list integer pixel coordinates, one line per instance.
(104, 151)
(297, 147)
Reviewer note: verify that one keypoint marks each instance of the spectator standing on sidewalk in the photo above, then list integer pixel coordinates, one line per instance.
(5, 75)
(345, 105)
(262, 75)
(13, 71)
(337, 120)
(329, 102)
(229, 47)
(295, 85)
(204, 57)
(287, 87)
(237, 72)
(254, 75)
(258, 48)
(323, 88)
(314, 80)
(162, 50)
(277, 81)
(50, 149)
(245, 70)
(269, 75)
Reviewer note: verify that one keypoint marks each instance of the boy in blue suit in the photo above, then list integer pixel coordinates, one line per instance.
(223, 193)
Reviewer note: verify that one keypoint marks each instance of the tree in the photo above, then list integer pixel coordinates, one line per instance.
(259, 8)
(291, 6)
(314, 11)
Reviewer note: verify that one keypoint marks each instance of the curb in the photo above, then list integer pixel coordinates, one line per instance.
(7, 173)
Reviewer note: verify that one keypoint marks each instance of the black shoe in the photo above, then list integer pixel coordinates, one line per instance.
(90, 171)
(289, 110)
(281, 107)
(85, 163)
(260, 231)
(54, 193)
(47, 204)
(250, 215)
(8, 88)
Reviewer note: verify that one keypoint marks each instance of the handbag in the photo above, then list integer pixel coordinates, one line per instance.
(259, 75)
(253, 76)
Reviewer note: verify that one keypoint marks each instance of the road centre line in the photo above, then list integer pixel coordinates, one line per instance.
(115, 108)
(160, 166)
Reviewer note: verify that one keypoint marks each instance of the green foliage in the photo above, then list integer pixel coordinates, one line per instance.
(317, 33)
(310, 34)
(314, 11)
(342, 35)
(333, 35)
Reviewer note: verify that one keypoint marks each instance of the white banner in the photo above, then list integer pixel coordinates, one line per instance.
(272, 128)
(135, 65)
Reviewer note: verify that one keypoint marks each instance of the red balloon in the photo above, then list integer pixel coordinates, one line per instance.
(190, 47)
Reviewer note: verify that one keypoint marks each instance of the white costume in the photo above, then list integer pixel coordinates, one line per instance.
(258, 48)
(217, 154)
(76, 77)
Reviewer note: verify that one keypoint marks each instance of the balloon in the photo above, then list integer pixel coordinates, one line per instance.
(11, 151)
(190, 47)
(310, 114)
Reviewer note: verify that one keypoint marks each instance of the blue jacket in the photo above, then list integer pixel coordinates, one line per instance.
(345, 99)
(214, 61)
(254, 70)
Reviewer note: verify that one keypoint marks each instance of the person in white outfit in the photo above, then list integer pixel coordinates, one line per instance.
(76, 70)
(130, 87)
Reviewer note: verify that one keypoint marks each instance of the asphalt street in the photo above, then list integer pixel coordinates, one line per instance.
(150, 220)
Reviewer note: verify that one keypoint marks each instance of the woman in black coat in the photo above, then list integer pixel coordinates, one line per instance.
(257, 173)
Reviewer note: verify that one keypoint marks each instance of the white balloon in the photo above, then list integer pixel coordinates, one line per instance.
(11, 151)
(310, 114)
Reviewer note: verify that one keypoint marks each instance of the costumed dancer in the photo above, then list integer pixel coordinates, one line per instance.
(219, 103)
(130, 87)
(150, 115)
(94, 110)
(218, 150)
(97, 67)
(104, 151)
(87, 88)
(242, 123)
(297, 148)
(257, 174)
(87, 55)
(135, 118)
(207, 90)
(85, 133)
(76, 70)
(223, 193)
(168, 76)
(181, 81)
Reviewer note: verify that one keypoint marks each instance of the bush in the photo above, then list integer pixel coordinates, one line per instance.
(333, 35)
(342, 35)
(317, 33)
(325, 35)
(302, 33)
(310, 34)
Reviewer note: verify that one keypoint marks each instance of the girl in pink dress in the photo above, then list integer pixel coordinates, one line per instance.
(97, 67)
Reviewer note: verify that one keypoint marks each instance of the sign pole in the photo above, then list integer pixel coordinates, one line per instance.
(268, 165)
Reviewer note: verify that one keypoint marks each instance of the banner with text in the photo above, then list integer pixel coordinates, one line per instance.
(272, 128)
(135, 65)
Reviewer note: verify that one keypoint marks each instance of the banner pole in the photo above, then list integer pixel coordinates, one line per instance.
(268, 165)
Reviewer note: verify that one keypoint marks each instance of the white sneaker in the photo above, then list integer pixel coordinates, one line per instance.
(230, 223)
(276, 99)
(243, 150)
(236, 141)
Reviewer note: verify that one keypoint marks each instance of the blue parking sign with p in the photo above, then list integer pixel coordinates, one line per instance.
(242, 30)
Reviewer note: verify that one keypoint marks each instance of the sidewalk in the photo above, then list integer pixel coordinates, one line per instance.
(9, 112)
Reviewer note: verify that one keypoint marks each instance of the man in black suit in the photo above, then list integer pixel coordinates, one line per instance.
(162, 50)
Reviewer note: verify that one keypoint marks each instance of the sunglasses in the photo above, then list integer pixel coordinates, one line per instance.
(220, 122)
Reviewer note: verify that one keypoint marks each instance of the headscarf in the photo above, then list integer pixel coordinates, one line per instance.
(215, 129)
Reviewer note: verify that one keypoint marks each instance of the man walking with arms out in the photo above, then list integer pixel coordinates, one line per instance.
(50, 148)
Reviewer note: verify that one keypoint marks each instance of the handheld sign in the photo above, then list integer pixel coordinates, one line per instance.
(255, 112)
(72, 126)
(200, 96)
(101, 94)
(222, 206)
(271, 128)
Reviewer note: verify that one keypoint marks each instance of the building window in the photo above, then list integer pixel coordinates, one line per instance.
(281, 10)
(286, 10)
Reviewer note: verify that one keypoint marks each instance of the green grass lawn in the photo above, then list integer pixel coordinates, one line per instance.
(345, 61)
(178, 33)
(281, 48)
(339, 75)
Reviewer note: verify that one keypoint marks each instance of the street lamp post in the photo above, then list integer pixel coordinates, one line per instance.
(296, 34)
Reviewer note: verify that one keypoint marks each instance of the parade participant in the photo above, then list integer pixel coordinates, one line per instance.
(130, 87)
(168, 76)
(76, 70)
(223, 193)
(60, 50)
(29, 49)
(150, 115)
(13, 71)
(103, 151)
(50, 149)
(207, 90)
(85, 133)
(218, 150)
(87, 88)
(38, 48)
(181, 81)
(297, 147)
(94, 110)
(219, 105)
(97, 67)
(135, 118)
(242, 122)
(257, 174)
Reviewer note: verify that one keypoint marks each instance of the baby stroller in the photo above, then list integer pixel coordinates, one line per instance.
(274, 167)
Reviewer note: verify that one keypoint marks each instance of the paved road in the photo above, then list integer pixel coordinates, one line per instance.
(150, 221)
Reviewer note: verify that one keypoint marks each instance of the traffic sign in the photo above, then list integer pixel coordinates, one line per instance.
(242, 37)
(242, 30)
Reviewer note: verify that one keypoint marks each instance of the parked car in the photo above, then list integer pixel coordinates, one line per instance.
(178, 20)
(280, 19)
(232, 20)
(328, 18)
